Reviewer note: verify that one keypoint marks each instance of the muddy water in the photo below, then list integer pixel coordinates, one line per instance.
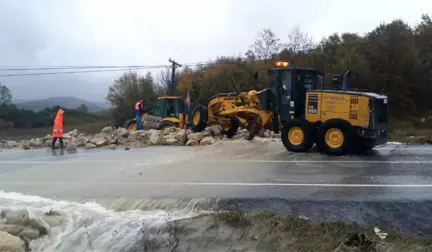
(92, 227)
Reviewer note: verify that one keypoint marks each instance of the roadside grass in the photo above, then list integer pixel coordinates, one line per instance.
(25, 134)
(289, 232)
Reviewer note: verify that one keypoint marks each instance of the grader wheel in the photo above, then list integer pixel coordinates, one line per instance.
(230, 129)
(253, 128)
(199, 118)
(298, 135)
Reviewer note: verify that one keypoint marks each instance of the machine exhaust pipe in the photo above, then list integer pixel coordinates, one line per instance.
(346, 75)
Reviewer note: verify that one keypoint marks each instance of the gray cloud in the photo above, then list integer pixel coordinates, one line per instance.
(136, 32)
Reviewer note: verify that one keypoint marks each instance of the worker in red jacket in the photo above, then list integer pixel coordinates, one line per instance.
(138, 113)
(58, 129)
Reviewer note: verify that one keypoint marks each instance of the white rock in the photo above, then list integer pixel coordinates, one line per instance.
(71, 146)
(206, 133)
(132, 138)
(171, 141)
(154, 137)
(121, 132)
(107, 130)
(73, 133)
(40, 225)
(4, 212)
(48, 137)
(172, 135)
(11, 144)
(89, 146)
(166, 131)
(30, 233)
(11, 229)
(207, 140)
(113, 139)
(20, 217)
(180, 135)
(197, 136)
(26, 145)
(216, 129)
(191, 143)
(36, 142)
(48, 143)
(99, 141)
(54, 218)
(135, 132)
(267, 134)
(81, 142)
(10, 243)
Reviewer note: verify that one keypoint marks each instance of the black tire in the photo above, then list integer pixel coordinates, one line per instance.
(275, 121)
(129, 123)
(348, 137)
(308, 135)
(165, 124)
(234, 125)
(201, 124)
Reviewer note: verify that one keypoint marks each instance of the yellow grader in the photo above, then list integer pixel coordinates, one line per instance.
(337, 120)
(230, 109)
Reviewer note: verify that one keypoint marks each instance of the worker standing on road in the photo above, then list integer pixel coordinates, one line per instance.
(138, 112)
(58, 129)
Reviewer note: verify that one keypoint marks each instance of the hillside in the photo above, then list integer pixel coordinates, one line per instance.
(66, 102)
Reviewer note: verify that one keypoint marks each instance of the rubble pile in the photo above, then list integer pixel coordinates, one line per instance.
(113, 138)
(18, 228)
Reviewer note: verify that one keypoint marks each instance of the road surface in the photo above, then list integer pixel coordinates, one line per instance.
(391, 185)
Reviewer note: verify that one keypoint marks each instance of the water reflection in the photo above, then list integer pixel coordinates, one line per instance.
(57, 152)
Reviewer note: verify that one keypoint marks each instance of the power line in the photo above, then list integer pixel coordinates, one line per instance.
(76, 72)
(139, 67)
(79, 67)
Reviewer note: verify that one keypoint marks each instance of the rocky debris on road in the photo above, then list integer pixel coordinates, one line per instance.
(19, 227)
(111, 138)
(71, 146)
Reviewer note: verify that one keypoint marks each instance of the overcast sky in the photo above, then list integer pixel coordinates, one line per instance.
(148, 32)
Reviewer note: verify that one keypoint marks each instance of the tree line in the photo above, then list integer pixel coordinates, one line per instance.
(393, 59)
(13, 117)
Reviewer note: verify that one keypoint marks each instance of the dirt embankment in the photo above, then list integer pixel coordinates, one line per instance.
(237, 231)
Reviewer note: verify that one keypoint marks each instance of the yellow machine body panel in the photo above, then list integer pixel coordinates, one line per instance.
(172, 119)
(222, 103)
(322, 106)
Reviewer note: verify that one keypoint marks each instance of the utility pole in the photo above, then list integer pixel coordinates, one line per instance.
(173, 84)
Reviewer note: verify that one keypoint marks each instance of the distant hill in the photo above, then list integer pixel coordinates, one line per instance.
(66, 102)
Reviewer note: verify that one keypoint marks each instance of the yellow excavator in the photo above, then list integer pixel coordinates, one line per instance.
(168, 111)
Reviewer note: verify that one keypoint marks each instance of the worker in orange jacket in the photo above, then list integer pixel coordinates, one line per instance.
(58, 129)
(139, 110)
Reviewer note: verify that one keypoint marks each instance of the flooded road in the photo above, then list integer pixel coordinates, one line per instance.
(229, 169)
(390, 185)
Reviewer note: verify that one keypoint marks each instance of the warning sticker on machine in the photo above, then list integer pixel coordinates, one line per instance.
(312, 106)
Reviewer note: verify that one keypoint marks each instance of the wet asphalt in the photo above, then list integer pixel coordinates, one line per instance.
(391, 185)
